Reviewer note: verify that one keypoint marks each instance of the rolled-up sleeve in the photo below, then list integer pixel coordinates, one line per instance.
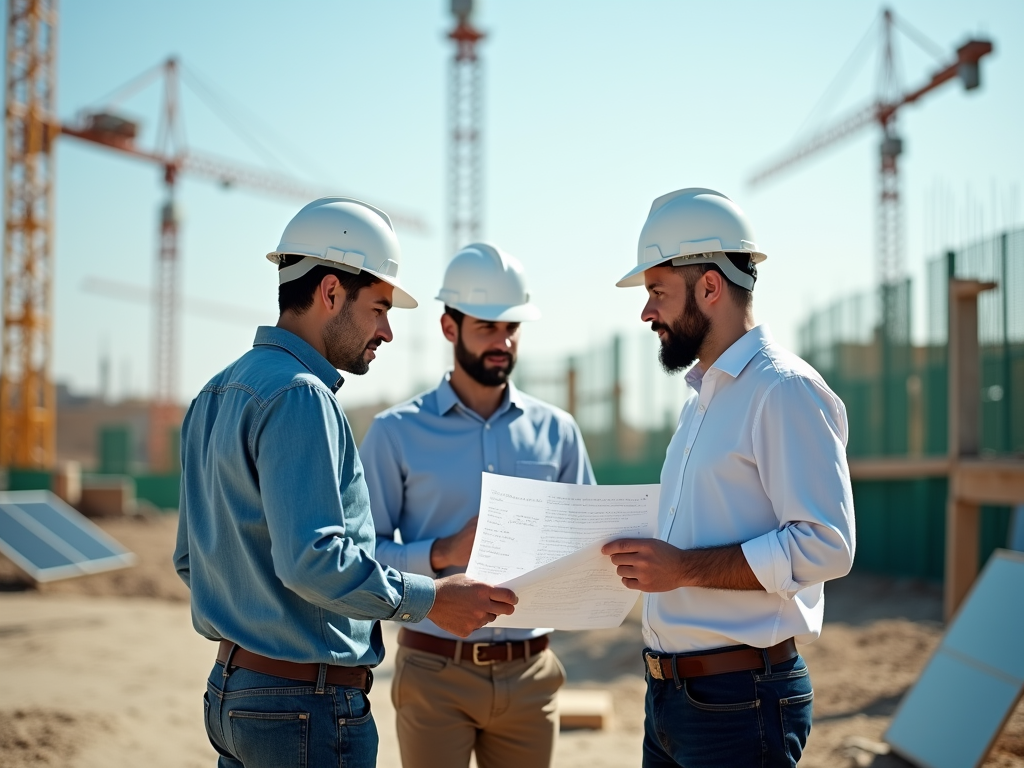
(385, 480)
(300, 447)
(799, 443)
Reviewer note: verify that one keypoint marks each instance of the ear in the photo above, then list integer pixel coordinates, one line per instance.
(330, 294)
(449, 328)
(711, 288)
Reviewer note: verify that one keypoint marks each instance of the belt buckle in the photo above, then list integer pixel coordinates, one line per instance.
(486, 662)
(654, 666)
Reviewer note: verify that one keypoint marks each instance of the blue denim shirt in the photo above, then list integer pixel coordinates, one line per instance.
(425, 459)
(275, 537)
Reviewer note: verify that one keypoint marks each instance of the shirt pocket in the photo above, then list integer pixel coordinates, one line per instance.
(537, 470)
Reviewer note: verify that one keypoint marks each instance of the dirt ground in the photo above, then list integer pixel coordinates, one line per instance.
(107, 671)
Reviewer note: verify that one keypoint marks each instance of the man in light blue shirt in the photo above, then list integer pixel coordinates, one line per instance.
(424, 459)
(275, 538)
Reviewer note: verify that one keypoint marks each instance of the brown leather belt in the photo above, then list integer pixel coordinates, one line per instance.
(478, 653)
(352, 677)
(740, 660)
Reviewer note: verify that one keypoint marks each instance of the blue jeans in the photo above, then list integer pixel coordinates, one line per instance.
(759, 718)
(261, 721)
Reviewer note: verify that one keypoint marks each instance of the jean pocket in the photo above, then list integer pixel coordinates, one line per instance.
(358, 706)
(787, 670)
(358, 740)
(715, 694)
(270, 739)
(796, 713)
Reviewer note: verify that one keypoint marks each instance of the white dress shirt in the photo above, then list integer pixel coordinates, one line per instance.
(759, 459)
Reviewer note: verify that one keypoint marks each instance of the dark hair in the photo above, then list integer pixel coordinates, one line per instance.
(739, 294)
(455, 315)
(297, 295)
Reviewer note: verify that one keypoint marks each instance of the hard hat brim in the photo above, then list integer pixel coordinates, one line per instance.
(401, 298)
(498, 313)
(635, 276)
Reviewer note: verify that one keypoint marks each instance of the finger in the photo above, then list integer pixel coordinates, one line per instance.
(620, 545)
(626, 571)
(503, 595)
(631, 584)
(505, 609)
(627, 558)
(490, 617)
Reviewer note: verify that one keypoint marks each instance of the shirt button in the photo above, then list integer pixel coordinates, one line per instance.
(406, 616)
(490, 467)
(701, 409)
(687, 450)
(487, 426)
(672, 510)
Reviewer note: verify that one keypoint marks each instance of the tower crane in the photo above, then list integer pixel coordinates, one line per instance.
(465, 116)
(889, 100)
(27, 395)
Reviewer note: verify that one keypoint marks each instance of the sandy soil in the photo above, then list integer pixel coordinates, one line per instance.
(107, 671)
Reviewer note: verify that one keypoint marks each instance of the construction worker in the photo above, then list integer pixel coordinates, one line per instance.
(494, 693)
(756, 509)
(275, 538)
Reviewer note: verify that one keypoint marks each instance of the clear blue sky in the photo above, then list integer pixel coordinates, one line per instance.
(593, 109)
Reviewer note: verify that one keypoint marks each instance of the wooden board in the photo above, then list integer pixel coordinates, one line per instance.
(590, 709)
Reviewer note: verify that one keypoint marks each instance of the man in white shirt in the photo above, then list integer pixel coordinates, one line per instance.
(756, 508)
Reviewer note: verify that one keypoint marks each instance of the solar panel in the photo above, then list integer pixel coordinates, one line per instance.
(49, 540)
(956, 709)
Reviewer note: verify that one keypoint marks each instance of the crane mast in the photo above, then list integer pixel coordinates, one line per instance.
(465, 115)
(27, 396)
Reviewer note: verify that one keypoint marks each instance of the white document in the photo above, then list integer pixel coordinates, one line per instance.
(543, 540)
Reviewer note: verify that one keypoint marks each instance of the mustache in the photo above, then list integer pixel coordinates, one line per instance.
(374, 343)
(656, 326)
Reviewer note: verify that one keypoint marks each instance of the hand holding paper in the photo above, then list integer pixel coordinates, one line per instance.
(543, 541)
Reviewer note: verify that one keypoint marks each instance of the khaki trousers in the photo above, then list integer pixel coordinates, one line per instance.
(506, 712)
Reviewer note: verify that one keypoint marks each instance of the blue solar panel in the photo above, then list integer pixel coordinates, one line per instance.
(49, 540)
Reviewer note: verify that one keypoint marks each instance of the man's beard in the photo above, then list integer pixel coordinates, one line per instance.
(684, 337)
(474, 365)
(345, 351)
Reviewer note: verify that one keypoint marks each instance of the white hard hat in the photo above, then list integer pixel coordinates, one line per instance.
(695, 226)
(345, 234)
(484, 282)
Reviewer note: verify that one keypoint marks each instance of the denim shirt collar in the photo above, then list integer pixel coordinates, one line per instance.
(448, 399)
(271, 336)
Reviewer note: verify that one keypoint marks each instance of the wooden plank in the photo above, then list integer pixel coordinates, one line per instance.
(962, 534)
(964, 366)
(590, 709)
(989, 482)
(898, 468)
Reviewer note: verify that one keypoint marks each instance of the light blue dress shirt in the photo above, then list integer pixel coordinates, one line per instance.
(275, 538)
(424, 460)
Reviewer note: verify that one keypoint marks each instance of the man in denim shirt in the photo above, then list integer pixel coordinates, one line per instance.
(275, 538)
(494, 694)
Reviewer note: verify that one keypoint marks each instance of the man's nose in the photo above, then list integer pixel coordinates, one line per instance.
(648, 315)
(384, 330)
